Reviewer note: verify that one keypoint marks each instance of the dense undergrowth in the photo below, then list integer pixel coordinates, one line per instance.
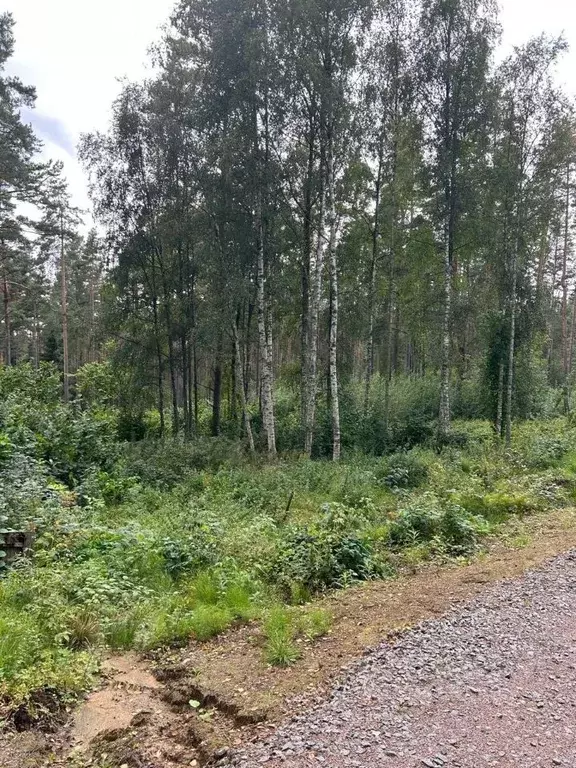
(150, 544)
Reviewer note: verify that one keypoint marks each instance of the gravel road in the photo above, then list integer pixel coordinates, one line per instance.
(493, 683)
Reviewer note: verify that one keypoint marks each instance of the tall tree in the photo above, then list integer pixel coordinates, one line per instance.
(458, 38)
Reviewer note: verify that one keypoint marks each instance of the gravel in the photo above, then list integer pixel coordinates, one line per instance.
(493, 683)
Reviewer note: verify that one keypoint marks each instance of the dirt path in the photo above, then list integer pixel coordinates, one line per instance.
(141, 716)
(491, 684)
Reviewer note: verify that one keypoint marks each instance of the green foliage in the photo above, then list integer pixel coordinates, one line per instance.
(315, 623)
(209, 620)
(164, 464)
(427, 519)
(97, 384)
(67, 442)
(155, 544)
(499, 505)
(319, 557)
(404, 470)
(121, 631)
(280, 630)
(205, 588)
(238, 601)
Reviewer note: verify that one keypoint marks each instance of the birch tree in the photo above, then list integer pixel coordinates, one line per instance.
(457, 41)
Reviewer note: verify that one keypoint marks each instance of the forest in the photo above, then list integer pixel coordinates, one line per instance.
(319, 327)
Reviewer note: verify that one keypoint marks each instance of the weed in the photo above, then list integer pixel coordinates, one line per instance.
(280, 630)
(280, 650)
(237, 600)
(207, 621)
(316, 623)
(83, 628)
(121, 631)
(205, 588)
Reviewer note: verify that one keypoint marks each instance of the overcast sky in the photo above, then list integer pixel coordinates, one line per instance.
(75, 52)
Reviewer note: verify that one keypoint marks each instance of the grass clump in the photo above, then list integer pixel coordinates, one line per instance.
(206, 621)
(205, 588)
(280, 629)
(315, 623)
(238, 601)
(121, 630)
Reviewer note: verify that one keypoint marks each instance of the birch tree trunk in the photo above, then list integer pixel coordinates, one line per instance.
(36, 337)
(512, 348)
(500, 402)
(444, 414)
(217, 394)
(316, 271)
(564, 310)
(572, 335)
(372, 284)
(391, 272)
(305, 271)
(160, 363)
(264, 339)
(7, 323)
(331, 221)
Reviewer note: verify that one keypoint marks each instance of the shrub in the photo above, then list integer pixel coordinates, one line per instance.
(426, 520)
(404, 470)
(167, 463)
(189, 553)
(546, 451)
(319, 559)
(420, 521)
(461, 531)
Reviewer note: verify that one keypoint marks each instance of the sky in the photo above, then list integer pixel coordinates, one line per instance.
(75, 52)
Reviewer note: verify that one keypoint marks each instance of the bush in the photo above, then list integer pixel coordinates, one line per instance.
(404, 470)
(319, 560)
(455, 529)
(167, 463)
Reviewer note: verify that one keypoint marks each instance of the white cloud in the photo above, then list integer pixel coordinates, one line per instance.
(523, 19)
(75, 52)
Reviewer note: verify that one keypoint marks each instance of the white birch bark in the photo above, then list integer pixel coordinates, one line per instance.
(500, 402)
(444, 415)
(331, 221)
(512, 348)
(264, 343)
(316, 271)
(564, 312)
